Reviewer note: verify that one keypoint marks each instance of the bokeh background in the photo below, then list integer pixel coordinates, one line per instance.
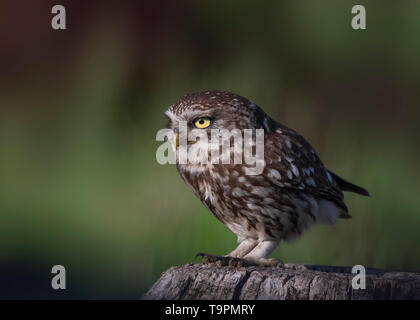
(80, 108)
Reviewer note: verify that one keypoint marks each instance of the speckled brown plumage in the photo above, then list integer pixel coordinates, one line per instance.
(294, 191)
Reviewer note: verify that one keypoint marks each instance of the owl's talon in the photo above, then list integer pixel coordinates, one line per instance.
(222, 261)
(208, 258)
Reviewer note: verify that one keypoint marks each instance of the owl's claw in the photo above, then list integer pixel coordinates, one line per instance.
(223, 261)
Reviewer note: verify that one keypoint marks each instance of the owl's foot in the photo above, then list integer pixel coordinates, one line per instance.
(223, 261)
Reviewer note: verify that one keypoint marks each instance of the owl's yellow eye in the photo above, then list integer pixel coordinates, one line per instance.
(202, 123)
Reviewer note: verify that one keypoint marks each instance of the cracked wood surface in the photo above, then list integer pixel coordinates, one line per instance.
(215, 282)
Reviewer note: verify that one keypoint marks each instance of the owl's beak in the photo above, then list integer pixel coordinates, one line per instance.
(176, 141)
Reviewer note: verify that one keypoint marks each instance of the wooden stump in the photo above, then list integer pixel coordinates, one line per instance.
(215, 282)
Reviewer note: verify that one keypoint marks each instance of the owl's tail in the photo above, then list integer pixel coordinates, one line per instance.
(347, 186)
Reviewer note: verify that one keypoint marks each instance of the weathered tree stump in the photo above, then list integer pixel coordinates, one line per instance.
(215, 282)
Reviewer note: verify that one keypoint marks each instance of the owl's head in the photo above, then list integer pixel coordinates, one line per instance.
(217, 119)
(215, 110)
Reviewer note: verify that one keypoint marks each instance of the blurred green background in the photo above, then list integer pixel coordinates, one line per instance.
(80, 108)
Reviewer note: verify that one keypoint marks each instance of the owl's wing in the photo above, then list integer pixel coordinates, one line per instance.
(291, 162)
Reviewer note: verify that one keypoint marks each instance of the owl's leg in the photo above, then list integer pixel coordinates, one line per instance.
(244, 247)
(260, 253)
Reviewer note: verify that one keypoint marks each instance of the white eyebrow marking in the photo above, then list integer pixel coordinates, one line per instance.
(172, 116)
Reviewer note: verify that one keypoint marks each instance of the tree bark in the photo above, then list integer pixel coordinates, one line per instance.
(215, 282)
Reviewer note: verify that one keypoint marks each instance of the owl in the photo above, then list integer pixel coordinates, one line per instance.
(293, 191)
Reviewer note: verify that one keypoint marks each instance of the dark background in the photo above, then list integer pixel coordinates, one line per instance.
(80, 108)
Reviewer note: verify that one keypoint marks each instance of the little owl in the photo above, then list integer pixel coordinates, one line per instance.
(293, 191)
